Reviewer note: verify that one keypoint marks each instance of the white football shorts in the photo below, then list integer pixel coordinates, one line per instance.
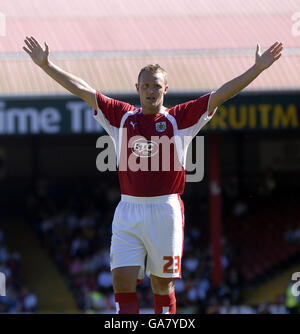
(148, 232)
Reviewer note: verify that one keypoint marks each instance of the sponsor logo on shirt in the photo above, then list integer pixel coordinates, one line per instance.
(144, 148)
(160, 126)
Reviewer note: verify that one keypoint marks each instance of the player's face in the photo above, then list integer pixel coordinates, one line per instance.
(152, 89)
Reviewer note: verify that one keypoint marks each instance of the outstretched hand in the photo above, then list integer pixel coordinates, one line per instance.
(35, 51)
(266, 59)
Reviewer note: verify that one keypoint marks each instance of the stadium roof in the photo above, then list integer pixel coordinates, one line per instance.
(201, 43)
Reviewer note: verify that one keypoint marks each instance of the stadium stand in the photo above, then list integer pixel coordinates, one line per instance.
(17, 297)
(264, 238)
(76, 232)
(75, 229)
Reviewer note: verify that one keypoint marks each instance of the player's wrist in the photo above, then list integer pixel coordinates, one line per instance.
(258, 68)
(45, 64)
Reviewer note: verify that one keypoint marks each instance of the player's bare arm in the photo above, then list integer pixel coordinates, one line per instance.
(233, 87)
(69, 81)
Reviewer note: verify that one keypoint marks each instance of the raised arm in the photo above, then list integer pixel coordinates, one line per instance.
(231, 88)
(69, 81)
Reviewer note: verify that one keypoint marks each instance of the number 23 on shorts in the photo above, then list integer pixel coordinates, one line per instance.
(172, 262)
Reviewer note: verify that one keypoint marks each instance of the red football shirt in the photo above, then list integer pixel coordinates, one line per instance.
(151, 149)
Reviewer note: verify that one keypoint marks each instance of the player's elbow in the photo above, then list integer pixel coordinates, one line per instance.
(87, 94)
(215, 100)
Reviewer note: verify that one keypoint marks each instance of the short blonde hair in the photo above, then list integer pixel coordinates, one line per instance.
(153, 68)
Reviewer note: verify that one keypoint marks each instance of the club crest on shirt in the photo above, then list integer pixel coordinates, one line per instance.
(160, 126)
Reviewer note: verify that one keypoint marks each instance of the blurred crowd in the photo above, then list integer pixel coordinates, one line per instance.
(75, 226)
(74, 220)
(14, 294)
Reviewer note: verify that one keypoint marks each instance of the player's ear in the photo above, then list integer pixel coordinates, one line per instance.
(166, 89)
(137, 87)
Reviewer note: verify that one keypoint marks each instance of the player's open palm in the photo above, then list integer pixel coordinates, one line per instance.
(269, 56)
(35, 51)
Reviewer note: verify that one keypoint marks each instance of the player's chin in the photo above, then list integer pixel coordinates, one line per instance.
(153, 103)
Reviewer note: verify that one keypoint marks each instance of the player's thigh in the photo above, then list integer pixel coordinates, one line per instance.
(125, 278)
(164, 240)
(127, 248)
